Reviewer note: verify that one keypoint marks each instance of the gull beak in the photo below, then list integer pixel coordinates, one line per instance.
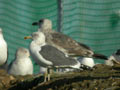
(35, 23)
(27, 37)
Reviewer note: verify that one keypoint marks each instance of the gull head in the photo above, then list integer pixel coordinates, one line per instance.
(43, 24)
(0, 31)
(1, 34)
(22, 52)
(38, 37)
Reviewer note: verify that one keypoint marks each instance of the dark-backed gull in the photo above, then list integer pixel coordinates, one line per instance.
(65, 43)
(3, 51)
(48, 56)
(22, 65)
(114, 58)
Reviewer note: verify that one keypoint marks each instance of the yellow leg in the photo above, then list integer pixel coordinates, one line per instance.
(57, 70)
(45, 76)
(48, 74)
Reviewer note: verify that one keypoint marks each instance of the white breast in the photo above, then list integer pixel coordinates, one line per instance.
(21, 67)
(87, 61)
(3, 52)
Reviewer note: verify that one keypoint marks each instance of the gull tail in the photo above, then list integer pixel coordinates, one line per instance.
(100, 56)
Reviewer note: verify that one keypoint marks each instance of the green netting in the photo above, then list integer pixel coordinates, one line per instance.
(16, 17)
(93, 22)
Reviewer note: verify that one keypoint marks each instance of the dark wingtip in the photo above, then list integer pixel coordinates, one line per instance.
(100, 56)
(118, 52)
(35, 23)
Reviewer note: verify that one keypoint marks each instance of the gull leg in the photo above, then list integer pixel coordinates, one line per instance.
(48, 70)
(57, 70)
(45, 75)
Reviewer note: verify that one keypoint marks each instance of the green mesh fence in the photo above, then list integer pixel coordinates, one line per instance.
(16, 17)
(93, 22)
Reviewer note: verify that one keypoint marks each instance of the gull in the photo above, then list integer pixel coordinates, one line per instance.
(3, 51)
(49, 56)
(114, 58)
(65, 43)
(22, 64)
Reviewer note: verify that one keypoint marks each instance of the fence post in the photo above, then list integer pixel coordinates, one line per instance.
(60, 13)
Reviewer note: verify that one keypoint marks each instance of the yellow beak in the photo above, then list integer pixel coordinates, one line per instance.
(27, 37)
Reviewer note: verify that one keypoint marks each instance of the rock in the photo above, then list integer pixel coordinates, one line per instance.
(103, 77)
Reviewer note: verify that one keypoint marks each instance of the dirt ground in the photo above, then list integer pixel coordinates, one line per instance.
(102, 77)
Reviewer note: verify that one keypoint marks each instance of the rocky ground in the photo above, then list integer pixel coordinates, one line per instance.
(102, 77)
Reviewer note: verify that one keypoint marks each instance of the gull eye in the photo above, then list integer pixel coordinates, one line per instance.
(25, 51)
(34, 35)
